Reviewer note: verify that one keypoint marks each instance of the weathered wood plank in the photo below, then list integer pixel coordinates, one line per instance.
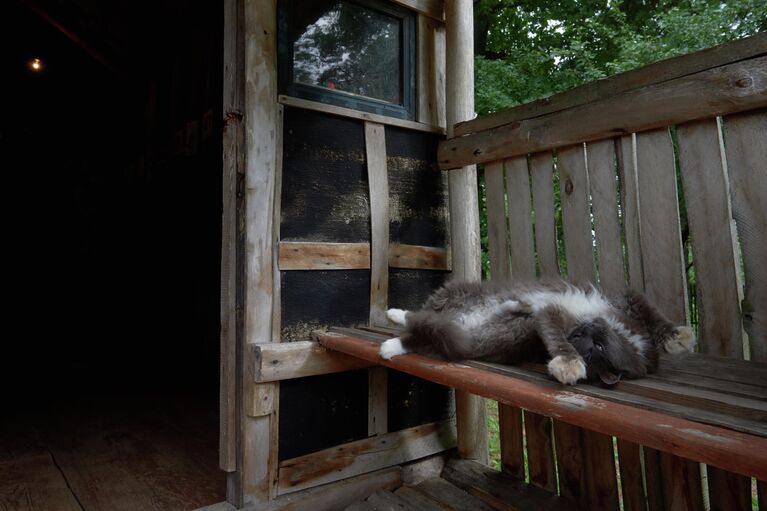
(365, 456)
(35, 483)
(378, 418)
(431, 71)
(419, 499)
(576, 214)
(728, 491)
(604, 199)
(497, 239)
(302, 255)
(375, 151)
(285, 361)
(707, 197)
(746, 148)
(542, 169)
(730, 450)
(627, 165)
(728, 89)
(682, 490)
(276, 214)
(356, 114)
(657, 72)
(512, 447)
(520, 219)
(452, 496)
(416, 257)
(540, 451)
(632, 486)
(433, 8)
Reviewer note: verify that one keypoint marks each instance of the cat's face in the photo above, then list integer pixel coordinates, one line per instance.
(607, 354)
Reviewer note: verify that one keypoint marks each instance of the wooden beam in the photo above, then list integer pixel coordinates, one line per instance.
(658, 72)
(418, 257)
(733, 88)
(730, 450)
(365, 456)
(302, 255)
(432, 8)
(378, 183)
(356, 114)
(285, 361)
(431, 71)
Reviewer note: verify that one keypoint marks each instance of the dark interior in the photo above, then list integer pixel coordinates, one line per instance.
(111, 157)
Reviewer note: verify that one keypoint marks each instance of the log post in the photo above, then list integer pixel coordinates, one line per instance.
(471, 417)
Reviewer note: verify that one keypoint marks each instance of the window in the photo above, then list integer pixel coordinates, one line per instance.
(357, 54)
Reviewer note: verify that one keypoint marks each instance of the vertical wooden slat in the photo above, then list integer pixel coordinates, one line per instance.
(378, 418)
(497, 241)
(570, 462)
(604, 197)
(704, 176)
(520, 219)
(665, 286)
(277, 212)
(728, 491)
(632, 487)
(509, 418)
(576, 214)
(626, 156)
(542, 171)
(471, 414)
(431, 71)
(375, 151)
(233, 152)
(540, 451)
(656, 500)
(746, 142)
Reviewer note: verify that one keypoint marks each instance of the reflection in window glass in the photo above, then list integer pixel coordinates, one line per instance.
(349, 48)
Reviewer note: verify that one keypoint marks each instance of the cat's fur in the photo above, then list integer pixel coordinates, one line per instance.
(581, 333)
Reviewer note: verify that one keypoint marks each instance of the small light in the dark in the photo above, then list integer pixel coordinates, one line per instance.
(36, 65)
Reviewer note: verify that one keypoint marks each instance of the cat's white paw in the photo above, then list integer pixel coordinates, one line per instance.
(567, 369)
(397, 316)
(391, 348)
(510, 306)
(682, 341)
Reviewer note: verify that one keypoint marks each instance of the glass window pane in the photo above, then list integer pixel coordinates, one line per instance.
(346, 47)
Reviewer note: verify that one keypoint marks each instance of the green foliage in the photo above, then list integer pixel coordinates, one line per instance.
(530, 49)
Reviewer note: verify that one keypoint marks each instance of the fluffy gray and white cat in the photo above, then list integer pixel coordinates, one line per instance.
(581, 332)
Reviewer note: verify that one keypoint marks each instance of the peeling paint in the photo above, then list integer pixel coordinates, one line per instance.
(708, 436)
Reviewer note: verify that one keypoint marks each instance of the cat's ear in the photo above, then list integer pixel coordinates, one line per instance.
(609, 377)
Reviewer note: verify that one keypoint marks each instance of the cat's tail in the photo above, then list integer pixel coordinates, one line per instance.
(431, 333)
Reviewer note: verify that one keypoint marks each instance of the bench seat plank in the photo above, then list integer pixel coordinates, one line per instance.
(732, 443)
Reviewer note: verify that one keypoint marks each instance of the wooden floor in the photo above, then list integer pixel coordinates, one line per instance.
(111, 453)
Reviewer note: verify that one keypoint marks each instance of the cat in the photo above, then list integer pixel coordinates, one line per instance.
(582, 333)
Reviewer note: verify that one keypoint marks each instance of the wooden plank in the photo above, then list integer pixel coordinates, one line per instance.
(604, 205)
(35, 483)
(416, 257)
(262, 400)
(661, 238)
(682, 484)
(657, 72)
(729, 89)
(725, 369)
(730, 450)
(512, 447)
(356, 114)
(632, 486)
(497, 239)
(471, 415)
(452, 496)
(542, 169)
(432, 8)
(576, 214)
(360, 506)
(337, 495)
(377, 401)
(375, 152)
(431, 71)
(707, 197)
(387, 501)
(728, 491)
(302, 255)
(233, 165)
(520, 219)
(277, 216)
(259, 464)
(299, 359)
(540, 452)
(499, 490)
(420, 500)
(627, 169)
(365, 456)
(746, 148)
(571, 463)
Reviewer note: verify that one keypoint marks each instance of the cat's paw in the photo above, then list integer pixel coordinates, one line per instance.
(682, 341)
(567, 369)
(391, 348)
(397, 316)
(510, 306)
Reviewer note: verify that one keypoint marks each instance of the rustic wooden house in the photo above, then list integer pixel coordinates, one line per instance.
(350, 153)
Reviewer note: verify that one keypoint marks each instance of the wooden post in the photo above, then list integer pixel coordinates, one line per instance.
(471, 417)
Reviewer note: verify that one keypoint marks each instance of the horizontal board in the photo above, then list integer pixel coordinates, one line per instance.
(365, 456)
(432, 8)
(284, 361)
(418, 258)
(733, 88)
(299, 255)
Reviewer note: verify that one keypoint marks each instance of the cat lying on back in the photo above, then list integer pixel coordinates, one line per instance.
(581, 333)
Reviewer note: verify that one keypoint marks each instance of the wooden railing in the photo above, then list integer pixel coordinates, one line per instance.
(656, 179)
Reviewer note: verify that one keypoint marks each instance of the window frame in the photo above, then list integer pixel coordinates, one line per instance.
(406, 110)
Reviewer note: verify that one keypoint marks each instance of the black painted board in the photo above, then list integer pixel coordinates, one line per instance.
(314, 299)
(319, 412)
(409, 289)
(414, 401)
(324, 179)
(418, 203)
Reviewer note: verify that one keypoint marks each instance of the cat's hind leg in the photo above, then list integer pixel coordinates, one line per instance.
(397, 316)
(391, 348)
(681, 341)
